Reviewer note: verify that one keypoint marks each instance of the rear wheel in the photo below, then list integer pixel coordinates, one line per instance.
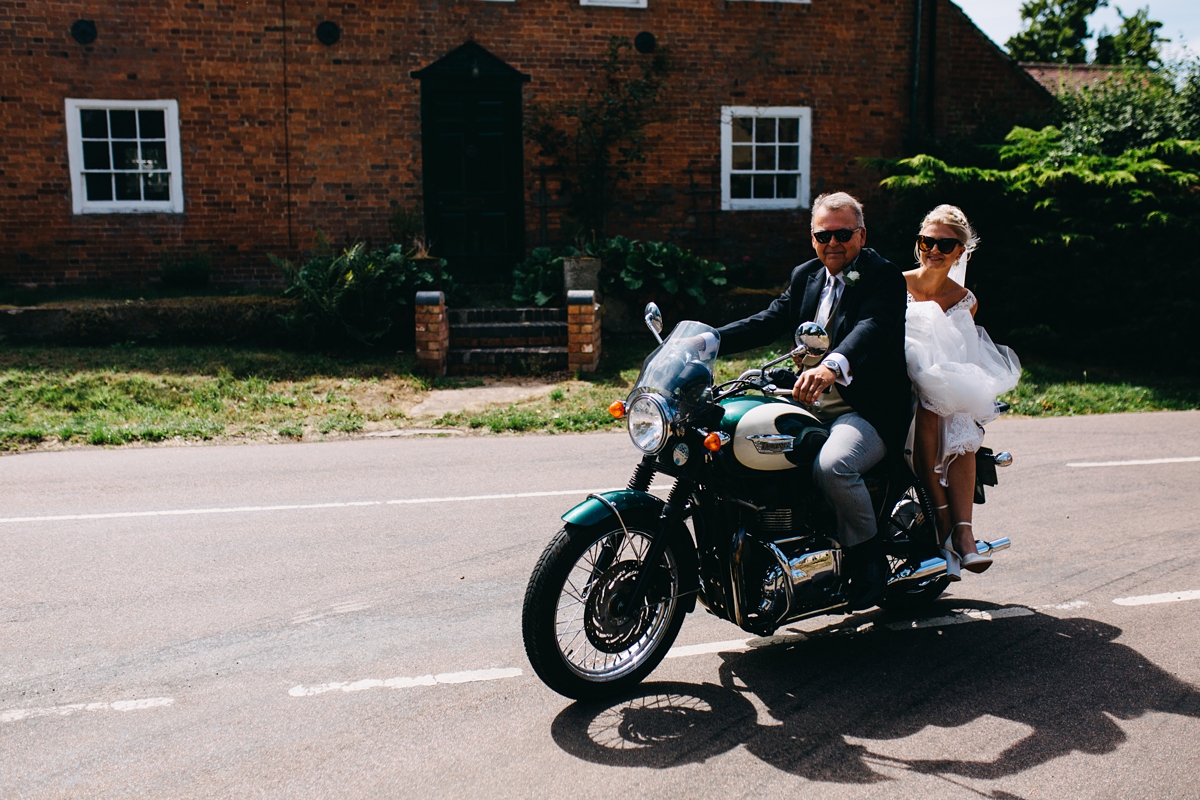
(580, 636)
(912, 519)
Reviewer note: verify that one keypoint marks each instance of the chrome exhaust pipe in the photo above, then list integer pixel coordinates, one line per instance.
(933, 567)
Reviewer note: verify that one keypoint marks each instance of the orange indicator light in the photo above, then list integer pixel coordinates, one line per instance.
(617, 409)
(712, 442)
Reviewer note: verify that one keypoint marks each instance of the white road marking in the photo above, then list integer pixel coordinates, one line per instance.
(961, 616)
(1148, 599)
(1134, 463)
(1067, 606)
(730, 646)
(63, 711)
(340, 608)
(471, 676)
(184, 512)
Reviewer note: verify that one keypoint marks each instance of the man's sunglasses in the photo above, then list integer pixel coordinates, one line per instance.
(927, 243)
(841, 234)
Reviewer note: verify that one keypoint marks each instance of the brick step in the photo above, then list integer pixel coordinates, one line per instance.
(491, 360)
(466, 316)
(508, 334)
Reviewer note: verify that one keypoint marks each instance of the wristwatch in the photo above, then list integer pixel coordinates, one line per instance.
(833, 366)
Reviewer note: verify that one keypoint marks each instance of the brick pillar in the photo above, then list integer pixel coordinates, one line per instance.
(433, 333)
(583, 331)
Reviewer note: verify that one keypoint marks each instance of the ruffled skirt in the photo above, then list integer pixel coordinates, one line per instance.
(957, 373)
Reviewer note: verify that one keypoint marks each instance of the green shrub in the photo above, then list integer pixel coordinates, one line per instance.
(185, 270)
(633, 270)
(352, 297)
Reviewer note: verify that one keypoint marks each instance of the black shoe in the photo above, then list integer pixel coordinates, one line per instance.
(867, 569)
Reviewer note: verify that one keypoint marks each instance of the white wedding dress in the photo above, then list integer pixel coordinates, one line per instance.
(957, 372)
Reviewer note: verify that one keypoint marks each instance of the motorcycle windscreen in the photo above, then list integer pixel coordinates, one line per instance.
(681, 368)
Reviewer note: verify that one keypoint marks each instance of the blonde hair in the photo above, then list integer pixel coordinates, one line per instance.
(954, 219)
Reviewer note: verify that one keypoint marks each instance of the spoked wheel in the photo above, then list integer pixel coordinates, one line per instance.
(582, 636)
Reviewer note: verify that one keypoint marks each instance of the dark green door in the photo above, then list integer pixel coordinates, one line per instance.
(472, 153)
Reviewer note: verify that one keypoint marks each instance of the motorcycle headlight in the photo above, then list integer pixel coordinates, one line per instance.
(648, 423)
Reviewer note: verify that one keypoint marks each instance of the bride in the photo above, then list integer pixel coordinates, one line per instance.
(957, 373)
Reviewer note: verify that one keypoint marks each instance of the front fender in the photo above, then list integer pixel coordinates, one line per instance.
(592, 512)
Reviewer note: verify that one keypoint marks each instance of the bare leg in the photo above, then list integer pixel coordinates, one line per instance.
(925, 458)
(961, 476)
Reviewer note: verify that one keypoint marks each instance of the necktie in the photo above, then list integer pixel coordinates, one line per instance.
(828, 301)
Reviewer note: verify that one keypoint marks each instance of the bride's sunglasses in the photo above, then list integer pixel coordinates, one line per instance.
(841, 234)
(927, 243)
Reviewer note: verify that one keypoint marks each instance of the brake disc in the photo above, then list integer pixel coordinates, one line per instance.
(607, 629)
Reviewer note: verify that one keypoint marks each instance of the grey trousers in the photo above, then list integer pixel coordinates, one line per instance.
(854, 447)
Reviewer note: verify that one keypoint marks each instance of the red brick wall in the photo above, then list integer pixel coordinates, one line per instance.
(354, 129)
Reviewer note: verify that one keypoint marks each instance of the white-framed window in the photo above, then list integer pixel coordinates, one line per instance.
(765, 156)
(124, 156)
(615, 3)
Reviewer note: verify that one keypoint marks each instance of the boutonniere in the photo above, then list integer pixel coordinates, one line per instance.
(852, 277)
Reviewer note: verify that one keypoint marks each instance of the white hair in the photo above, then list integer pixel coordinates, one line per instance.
(836, 201)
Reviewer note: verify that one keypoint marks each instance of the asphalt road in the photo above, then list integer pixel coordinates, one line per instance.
(262, 621)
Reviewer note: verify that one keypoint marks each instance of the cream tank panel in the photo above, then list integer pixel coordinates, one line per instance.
(757, 442)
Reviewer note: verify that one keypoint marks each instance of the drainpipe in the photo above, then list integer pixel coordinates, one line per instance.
(914, 128)
(287, 145)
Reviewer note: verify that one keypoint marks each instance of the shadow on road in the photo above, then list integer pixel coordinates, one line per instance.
(1062, 681)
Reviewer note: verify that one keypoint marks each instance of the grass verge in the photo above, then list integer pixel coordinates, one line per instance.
(118, 395)
(51, 396)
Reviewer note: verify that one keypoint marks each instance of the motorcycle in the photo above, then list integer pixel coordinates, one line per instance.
(744, 531)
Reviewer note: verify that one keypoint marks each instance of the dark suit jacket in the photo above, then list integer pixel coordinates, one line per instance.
(867, 328)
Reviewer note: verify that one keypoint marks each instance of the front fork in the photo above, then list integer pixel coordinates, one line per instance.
(672, 515)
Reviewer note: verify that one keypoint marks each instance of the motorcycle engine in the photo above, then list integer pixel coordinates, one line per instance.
(782, 575)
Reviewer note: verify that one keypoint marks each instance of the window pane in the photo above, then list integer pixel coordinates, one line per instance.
(739, 186)
(157, 186)
(789, 129)
(93, 123)
(153, 124)
(124, 124)
(789, 157)
(786, 185)
(129, 186)
(743, 158)
(764, 131)
(95, 155)
(154, 155)
(99, 185)
(125, 155)
(764, 186)
(764, 158)
(743, 129)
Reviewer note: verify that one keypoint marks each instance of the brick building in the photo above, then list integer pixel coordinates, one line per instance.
(133, 127)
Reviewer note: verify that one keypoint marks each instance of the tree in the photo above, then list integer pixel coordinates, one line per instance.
(1135, 44)
(1054, 31)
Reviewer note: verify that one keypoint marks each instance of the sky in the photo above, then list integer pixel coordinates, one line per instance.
(1000, 19)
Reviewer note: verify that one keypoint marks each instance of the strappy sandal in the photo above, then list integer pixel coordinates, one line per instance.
(972, 562)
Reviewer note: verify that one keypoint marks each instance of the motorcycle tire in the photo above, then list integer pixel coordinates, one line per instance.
(577, 644)
(911, 599)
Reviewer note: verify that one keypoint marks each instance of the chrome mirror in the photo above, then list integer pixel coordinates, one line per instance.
(654, 321)
(813, 338)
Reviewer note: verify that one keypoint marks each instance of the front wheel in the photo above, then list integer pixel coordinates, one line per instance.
(581, 638)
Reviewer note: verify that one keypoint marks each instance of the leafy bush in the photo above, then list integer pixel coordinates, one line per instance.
(352, 297)
(1132, 109)
(1089, 255)
(185, 270)
(633, 270)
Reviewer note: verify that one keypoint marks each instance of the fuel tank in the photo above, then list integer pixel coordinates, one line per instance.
(770, 435)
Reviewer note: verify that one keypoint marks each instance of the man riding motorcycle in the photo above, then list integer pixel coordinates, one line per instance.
(860, 388)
